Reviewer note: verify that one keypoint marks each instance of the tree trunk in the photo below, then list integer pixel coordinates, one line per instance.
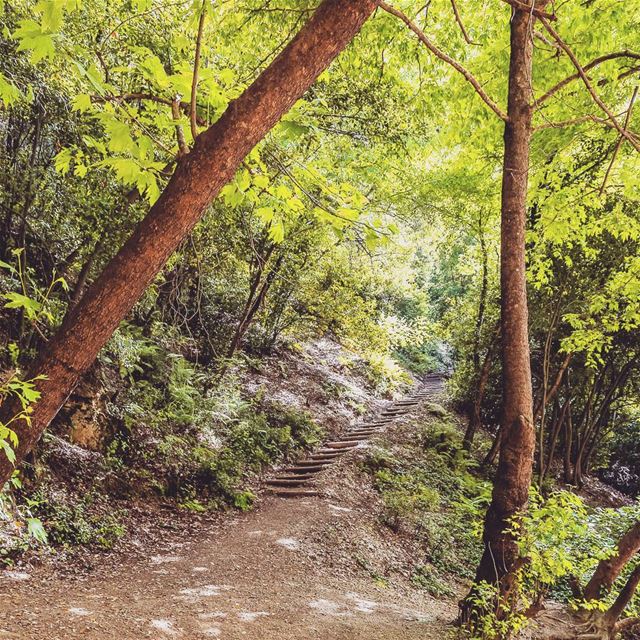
(555, 433)
(482, 302)
(511, 486)
(83, 276)
(254, 303)
(550, 393)
(624, 597)
(198, 178)
(568, 447)
(609, 569)
(492, 454)
(476, 419)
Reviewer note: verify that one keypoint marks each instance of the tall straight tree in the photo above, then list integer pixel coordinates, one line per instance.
(500, 558)
(197, 180)
(511, 486)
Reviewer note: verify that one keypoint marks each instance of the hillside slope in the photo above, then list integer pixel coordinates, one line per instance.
(326, 567)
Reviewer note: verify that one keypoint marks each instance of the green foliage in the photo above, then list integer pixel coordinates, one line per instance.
(429, 493)
(36, 306)
(77, 523)
(183, 437)
(424, 577)
(499, 618)
(561, 541)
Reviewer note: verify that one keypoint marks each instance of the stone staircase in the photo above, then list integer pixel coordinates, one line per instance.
(298, 479)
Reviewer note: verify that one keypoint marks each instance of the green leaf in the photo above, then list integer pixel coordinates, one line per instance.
(80, 170)
(153, 70)
(18, 301)
(36, 530)
(265, 214)
(232, 195)
(62, 161)
(119, 135)
(147, 185)
(8, 451)
(82, 103)
(126, 169)
(291, 129)
(51, 12)
(276, 231)
(31, 37)
(261, 181)
(9, 93)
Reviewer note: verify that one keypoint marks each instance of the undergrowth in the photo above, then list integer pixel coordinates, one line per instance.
(430, 492)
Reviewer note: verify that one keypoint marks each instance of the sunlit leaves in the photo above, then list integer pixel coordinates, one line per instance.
(82, 102)
(38, 41)
(9, 93)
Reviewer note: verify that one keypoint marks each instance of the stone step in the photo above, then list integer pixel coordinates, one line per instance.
(295, 476)
(363, 432)
(315, 468)
(326, 454)
(294, 482)
(294, 493)
(342, 444)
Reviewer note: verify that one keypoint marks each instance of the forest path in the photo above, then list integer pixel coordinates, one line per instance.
(251, 576)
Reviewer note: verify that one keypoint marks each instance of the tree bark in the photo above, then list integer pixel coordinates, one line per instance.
(511, 486)
(609, 569)
(555, 433)
(482, 302)
(254, 303)
(198, 178)
(550, 393)
(624, 597)
(476, 418)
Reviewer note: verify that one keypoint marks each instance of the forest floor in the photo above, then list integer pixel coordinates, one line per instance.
(286, 570)
(250, 577)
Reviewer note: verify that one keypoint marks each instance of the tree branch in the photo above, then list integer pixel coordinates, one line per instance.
(619, 142)
(196, 70)
(183, 148)
(554, 34)
(132, 97)
(456, 13)
(444, 57)
(594, 63)
(523, 6)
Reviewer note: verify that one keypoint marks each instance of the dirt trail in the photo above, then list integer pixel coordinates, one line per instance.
(254, 577)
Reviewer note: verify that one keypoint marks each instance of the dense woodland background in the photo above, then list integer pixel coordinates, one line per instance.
(368, 217)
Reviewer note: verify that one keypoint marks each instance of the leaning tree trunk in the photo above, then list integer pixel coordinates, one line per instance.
(511, 486)
(609, 569)
(198, 178)
(606, 624)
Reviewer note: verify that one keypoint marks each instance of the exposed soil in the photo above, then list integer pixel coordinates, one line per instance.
(250, 577)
